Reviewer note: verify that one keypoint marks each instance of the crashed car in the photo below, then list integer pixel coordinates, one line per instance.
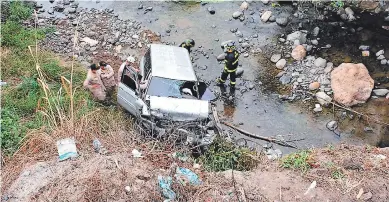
(173, 93)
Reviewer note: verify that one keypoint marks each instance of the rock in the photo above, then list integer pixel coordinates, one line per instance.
(211, 10)
(282, 40)
(255, 36)
(317, 108)
(75, 22)
(90, 41)
(39, 6)
(344, 17)
(280, 74)
(50, 11)
(323, 98)
(309, 47)
(368, 129)
(221, 57)
(299, 52)
(265, 16)
(274, 58)
(272, 18)
(239, 34)
(273, 154)
(368, 5)
(245, 45)
(363, 47)
(66, 2)
(386, 19)
(314, 86)
(285, 79)
(381, 52)
(237, 14)
(332, 125)
(316, 31)
(351, 84)
(239, 72)
(265, 2)
(367, 196)
(314, 42)
(281, 64)
(329, 67)
(71, 10)
(380, 92)
(245, 55)
(149, 8)
(381, 57)
(349, 11)
(320, 63)
(297, 35)
(51, 1)
(384, 61)
(244, 6)
(281, 21)
(140, 6)
(59, 8)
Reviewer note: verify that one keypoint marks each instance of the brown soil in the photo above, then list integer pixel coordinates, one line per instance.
(94, 177)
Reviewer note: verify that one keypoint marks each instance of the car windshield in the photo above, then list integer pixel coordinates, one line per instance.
(164, 87)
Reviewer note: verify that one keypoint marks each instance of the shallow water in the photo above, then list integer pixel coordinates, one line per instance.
(259, 112)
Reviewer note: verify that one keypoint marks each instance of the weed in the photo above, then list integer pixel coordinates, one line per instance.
(52, 70)
(337, 3)
(19, 11)
(330, 147)
(223, 155)
(11, 131)
(300, 160)
(337, 174)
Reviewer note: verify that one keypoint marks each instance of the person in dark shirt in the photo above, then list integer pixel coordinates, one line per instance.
(230, 65)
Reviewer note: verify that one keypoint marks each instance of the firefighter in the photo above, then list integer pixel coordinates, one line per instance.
(187, 44)
(94, 84)
(230, 65)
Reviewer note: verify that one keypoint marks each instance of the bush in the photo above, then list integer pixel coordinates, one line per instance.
(24, 98)
(19, 11)
(300, 160)
(223, 155)
(52, 70)
(11, 131)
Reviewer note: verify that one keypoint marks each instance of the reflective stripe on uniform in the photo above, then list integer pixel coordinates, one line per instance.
(229, 70)
(232, 83)
(237, 58)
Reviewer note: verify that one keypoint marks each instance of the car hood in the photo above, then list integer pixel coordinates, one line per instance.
(179, 109)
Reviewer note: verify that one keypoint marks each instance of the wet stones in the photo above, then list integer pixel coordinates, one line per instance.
(297, 35)
(211, 10)
(314, 86)
(282, 21)
(323, 98)
(299, 52)
(316, 31)
(380, 92)
(239, 34)
(285, 79)
(320, 63)
(275, 58)
(265, 16)
(237, 14)
(281, 64)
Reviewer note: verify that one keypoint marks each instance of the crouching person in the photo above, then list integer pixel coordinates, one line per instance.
(108, 79)
(94, 84)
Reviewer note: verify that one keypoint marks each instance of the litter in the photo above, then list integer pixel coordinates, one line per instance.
(3, 83)
(136, 153)
(312, 186)
(66, 149)
(365, 53)
(99, 148)
(184, 175)
(165, 184)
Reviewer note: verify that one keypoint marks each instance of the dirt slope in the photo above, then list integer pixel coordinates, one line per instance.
(104, 178)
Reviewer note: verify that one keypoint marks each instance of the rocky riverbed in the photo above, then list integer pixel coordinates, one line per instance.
(294, 44)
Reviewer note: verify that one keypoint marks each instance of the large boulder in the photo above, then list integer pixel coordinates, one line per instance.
(351, 84)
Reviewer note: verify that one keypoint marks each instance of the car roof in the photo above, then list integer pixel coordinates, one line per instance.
(171, 62)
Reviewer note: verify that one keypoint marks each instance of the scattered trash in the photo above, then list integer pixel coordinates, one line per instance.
(196, 166)
(365, 53)
(360, 193)
(66, 149)
(99, 148)
(136, 153)
(380, 157)
(128, 189)
(3, 83)
(183, 175)
(367, 196)
(311, 187)
(368, 129)
(273, 154)
(165, 184)
(180, 156)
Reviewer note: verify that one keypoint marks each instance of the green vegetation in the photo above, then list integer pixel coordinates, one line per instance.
(223, 155)
(337, 174)
(301, 160)
(337, 3)
(25, 103)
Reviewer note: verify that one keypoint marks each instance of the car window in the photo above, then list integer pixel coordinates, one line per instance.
(147, 62)
(164, 87)
(128, 79)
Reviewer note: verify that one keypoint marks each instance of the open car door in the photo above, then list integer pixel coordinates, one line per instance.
(127, 95)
